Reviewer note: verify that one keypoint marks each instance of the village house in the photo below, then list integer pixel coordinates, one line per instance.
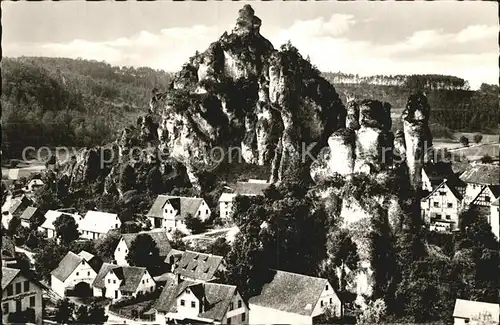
(18, 205)
(477, 177)
(433, 174)
(475, 313)
(198, 267)
(252, 187)
(486, 196)
(28, 214)
(494, 218)
(292, 298)
(117, 282)
(121, 250)
(170, 212)
(48, 228)
(441, 208)
(21, 298)
(200, 303)
(96, 224)
(33, 185)
(8, 252)
(74, 275)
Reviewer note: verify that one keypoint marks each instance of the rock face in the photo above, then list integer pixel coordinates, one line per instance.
(242, 95)
(366, 157)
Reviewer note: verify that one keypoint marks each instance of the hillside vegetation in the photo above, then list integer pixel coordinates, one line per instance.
(66, 102)
(453, 105)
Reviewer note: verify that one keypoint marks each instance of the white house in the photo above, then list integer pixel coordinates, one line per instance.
(292, 298)
(477, 177)
(47, 226)
(475, 313)
(29, 213)
(486, 196)
(494, 218)
(441, 208)
(96, 224)
(199, 267)
(121, 250)
(206, 303)
(73, 273)
(169, 212)
(33, 185)
(116, 282)
(252, 187)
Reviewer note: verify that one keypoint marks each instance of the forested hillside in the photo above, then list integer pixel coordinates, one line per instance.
(454, 105)
(60, 101)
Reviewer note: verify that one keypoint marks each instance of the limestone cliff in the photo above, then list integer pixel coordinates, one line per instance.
(243, 94)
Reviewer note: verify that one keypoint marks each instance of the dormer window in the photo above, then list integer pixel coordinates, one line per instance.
(187, 291)
(326, 288)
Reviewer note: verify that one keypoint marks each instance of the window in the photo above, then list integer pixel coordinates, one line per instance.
(26, 286)
(229, 320)
(147, 280)
(231, 306)
(88, 273)
(442, 193)
(18, 288)
(77, 273)
(486, 199)
(448, 217)
(143, 281)
(32, 301)
(114, 281)
(193, 304)
(5, 308)
(118, 248)
(239, 303)
(183, 302)
(321, 302)
(331, 301)
(199, 212)
(109, 280)
(450, 205)
(436, 204)
(326, 288)
(438, 216)
(206, 211)
(243, 317)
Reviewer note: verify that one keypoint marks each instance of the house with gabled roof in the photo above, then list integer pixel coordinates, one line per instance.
(252, 187)
(200, 303)
(170, 212)
(74, 272)
(22, 300)
(486, 196)
(441, 208)
(48, 228)
(291, 298)
(434, 174)
(159, 237)
(200, 267)
(116, 282)
(28, 214)
(96, 224)
(475, 313)
(477, 177)
(8, 251)
(18, 205)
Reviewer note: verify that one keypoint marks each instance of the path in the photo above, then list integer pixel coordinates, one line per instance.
(229, 233)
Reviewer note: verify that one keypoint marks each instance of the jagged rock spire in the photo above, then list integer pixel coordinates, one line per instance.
(247, 22)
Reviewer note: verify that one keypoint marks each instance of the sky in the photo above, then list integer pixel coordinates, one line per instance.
(367, 38)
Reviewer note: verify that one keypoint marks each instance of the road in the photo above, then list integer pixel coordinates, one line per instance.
(229, 233)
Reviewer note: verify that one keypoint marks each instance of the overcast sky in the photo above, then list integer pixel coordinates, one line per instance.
(456, 38)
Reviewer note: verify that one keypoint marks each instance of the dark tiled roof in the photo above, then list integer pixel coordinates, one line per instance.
(8, 275)
(18, 205)
(456, 191)
(250, 188)
(291, 292)
(185, 205)
(99, 279)
(159, 237)
(215, 297)
(131, 277)
(495, 189)
(67, 265)
(28, 213)
(199, 266)
(437, 172)
(8, 248)
(482, 174)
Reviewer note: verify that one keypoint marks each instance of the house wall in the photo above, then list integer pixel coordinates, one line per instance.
(169, 214)
(426, 183)
(83, 273)
(494, 220)
(49, 233)
(442, 211)
(235, 314)
(485, 198)
(471, 191)
(226, 210)
(187, 310)
(264, 315)
(91, 235)
(9, 301)
(147, 284)
(112, 284)
(121, 253)
(203, 212)
(327, 297)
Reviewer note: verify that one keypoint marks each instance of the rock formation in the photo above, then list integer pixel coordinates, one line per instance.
(242, 93)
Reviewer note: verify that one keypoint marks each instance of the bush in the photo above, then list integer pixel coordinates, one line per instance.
(478, 138)
(486, 159)
(464, 140)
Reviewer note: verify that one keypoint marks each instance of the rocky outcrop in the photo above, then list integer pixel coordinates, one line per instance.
(243, 95)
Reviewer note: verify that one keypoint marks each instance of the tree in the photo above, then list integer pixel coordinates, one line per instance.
(486, 159)
(478, 138)
(14, 225)
(93, 314)
(155, 181)
(64, 311)
(130, 227)
(47, 199)
(219, 247)
(47, 258)
(127, 178)
(464, 140)
(66, 228)
(106, 246)
(177, 241)
(194, 224)
(144, 252)
(374, 313)
(35, 239)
